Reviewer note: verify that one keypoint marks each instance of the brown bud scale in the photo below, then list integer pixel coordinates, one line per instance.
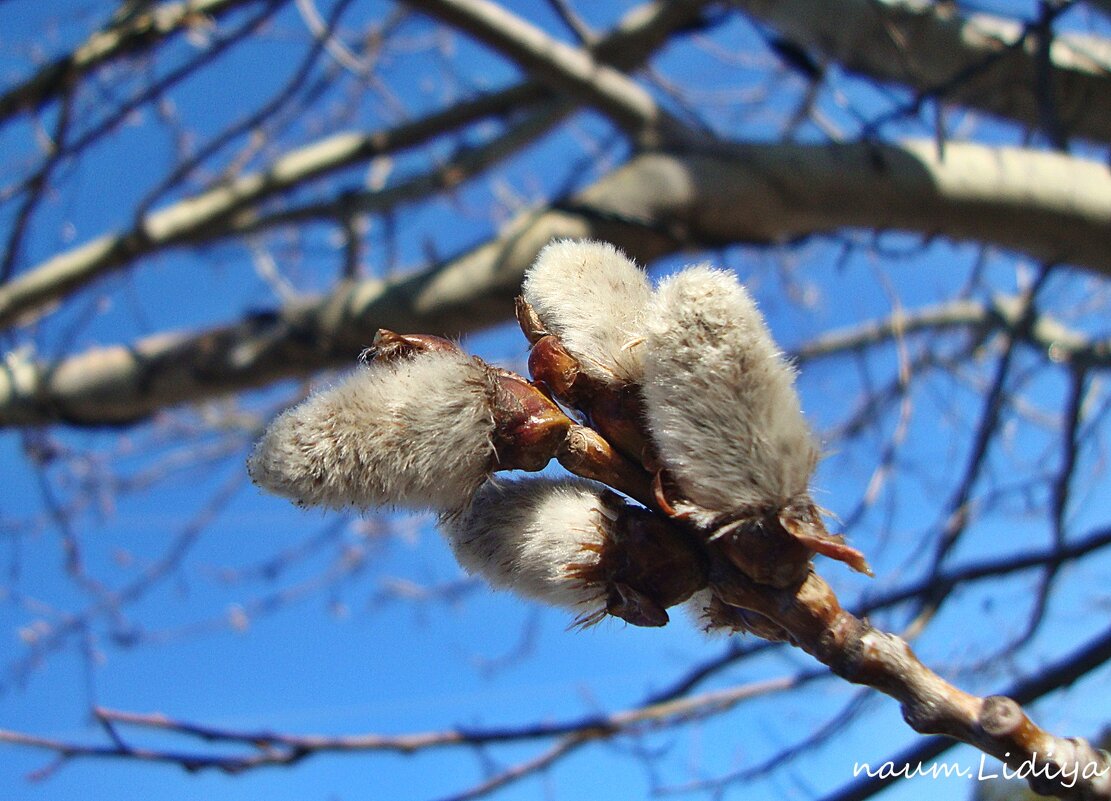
(644, 566)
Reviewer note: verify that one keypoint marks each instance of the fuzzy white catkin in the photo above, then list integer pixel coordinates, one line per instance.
(593, 298)
(720, 398)
(523, 535)
(413, 433)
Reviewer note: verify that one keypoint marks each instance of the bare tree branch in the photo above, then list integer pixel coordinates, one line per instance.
(978, 61)
(111, 602)
(464, 165)
(35, 190)
(205, 216)
(253, 120)
(199, 218)
(560, 66)
(137, 33)
(1061, 673)
(957, 509)
(994, 568)
(573, 21)
(1060, 343)
(822, 734)
(996, 725)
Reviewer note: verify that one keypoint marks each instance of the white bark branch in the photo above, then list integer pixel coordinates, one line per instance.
(1059, 342)
(564, 68)
(203, 217)
(1050, 206)
(978, 60)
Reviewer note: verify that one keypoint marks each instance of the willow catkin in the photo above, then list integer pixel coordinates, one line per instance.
(524, 536)
(720, 398)
(413, 433)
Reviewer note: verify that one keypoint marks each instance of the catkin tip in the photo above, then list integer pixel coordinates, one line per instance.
(593, 298)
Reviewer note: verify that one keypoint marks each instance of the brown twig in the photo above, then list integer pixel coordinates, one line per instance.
(1059, 674)
(861, 654)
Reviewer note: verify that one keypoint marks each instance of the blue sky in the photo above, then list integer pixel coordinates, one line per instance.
(360, 656)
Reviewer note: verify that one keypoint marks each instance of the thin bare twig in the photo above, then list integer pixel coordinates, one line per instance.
(249, 122)
(118, 39)
(274, 748)
(35, 188)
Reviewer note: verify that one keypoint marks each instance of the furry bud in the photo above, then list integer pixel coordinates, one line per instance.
(574, 544)
(593, 298)
(720, 399)
(524, 535)
(413, 432)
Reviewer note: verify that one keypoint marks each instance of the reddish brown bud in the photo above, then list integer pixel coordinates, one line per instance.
(618, 414)
(615, 411)
(529, 321)
(586, 453)
(761, 548)
(529, 427)
(775, 546)
(805, 525)
(550, 364)
(389, 345)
